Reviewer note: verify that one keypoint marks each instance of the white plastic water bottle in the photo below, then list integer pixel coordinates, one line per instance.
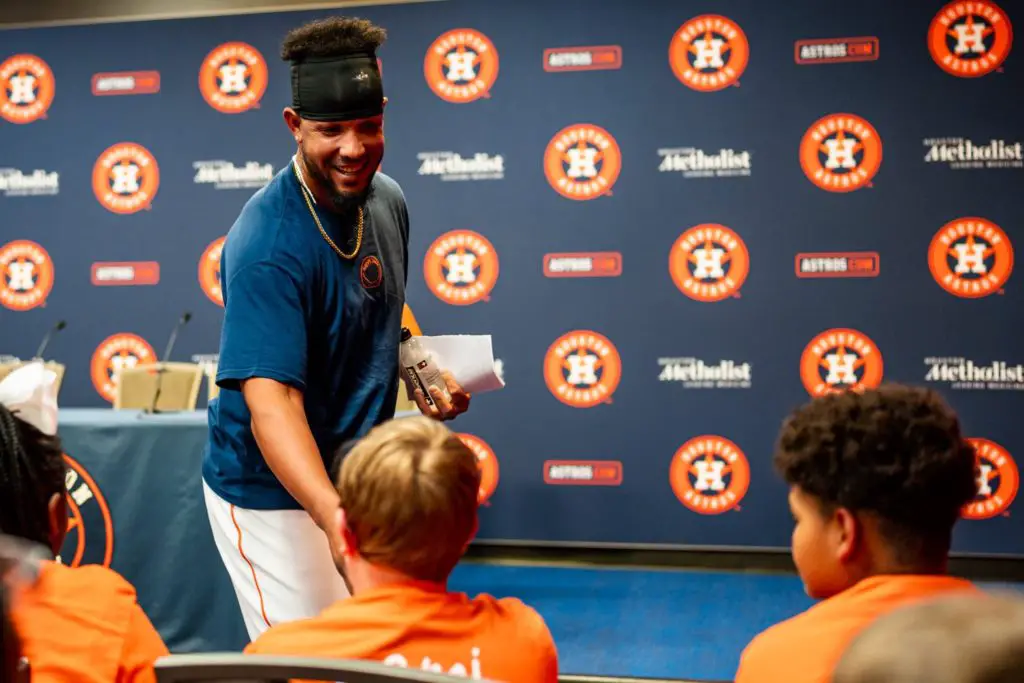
(420, 368)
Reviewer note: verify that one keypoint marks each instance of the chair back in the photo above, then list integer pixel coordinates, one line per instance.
(240, 668)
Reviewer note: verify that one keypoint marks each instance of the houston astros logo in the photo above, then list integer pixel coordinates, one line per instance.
(971, 258)
(841, 153)
(998, 480)
(27, 87)
(709, 475)
(582, 162)
(838, 360)
(709, 262)
(233, 78)
(371, 272)
(461, 66)
(970, 39)
(209, 271)
(27, 275)
(708, 53)
(461, 267)
(125, 178)
(90, 537)
(115, 353)
(582, 369)
(489, 471)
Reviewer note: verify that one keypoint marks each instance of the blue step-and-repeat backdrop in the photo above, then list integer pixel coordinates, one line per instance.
(678, 220)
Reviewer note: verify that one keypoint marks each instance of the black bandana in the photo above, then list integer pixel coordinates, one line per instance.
(337, 88)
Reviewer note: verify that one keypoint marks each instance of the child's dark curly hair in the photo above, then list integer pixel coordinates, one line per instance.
(896, 452)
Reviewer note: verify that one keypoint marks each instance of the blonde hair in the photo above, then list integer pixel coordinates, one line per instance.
(961, 638)
(409, 490)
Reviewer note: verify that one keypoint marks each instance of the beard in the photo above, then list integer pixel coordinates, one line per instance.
(343, 203)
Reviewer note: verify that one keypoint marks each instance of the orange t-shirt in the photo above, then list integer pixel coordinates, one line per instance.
(421, 625)
(84, 625)
(807, 648)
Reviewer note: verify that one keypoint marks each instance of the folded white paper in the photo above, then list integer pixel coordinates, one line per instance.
(468, 357)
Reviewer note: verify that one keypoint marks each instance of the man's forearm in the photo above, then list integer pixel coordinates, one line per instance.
(287, 444)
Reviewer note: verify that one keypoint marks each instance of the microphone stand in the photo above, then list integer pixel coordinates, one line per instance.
(46, 339)
(160, 366)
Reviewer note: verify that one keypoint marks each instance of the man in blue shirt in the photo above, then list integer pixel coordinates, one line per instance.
(314, 273)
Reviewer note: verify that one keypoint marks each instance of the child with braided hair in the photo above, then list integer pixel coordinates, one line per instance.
(79, 624)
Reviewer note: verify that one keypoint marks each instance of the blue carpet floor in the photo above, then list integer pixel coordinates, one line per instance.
(645, 623)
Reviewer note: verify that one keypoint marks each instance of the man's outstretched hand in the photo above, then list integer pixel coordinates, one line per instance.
(444, 408)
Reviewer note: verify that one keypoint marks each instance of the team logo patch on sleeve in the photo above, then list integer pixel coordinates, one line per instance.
(970, 39)
(27, 87)
(116, 352)
(27, 275)
(709, 475)
(709, 53)
(461, 66)
(582, 369)
(709, 262)
(840, 359)
(582, 162)
(971, 258)
(841, 153)
(209, 271)
(233, 78)
(125, 178)
(998, 480)
(489, 470)
(90, 534)
(461, 267)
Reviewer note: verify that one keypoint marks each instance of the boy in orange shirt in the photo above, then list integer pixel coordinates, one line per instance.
(82, 624)
(877, 481)
(408, 510)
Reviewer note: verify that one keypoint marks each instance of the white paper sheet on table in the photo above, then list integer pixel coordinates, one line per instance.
(468, 357)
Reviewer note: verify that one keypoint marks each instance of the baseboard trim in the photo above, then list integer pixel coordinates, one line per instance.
(976, 568)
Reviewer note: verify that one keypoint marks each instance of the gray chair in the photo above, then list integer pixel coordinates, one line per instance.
(238, 668)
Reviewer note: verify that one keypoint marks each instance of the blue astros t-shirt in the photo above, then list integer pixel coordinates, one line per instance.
(298, 313)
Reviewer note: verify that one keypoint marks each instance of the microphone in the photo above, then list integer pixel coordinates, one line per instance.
(185, 317)
(47, 337)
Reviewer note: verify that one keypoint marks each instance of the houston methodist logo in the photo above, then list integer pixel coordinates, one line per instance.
(209, 271)
(709, 474)
(841, 153)
(582, 369)
(971, 258)
(233, 78)
(709, 262)
(461, 66)
(118, 351)
(485, 458)
(840, 359)
(709, 53)
(27, 275)
(461, 267)
(582, 161)
(970, 39)
(998, 480)
(27, 87)
(125, 178)
(90, 537)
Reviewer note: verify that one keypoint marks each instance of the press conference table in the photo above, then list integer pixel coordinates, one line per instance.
(146, 469)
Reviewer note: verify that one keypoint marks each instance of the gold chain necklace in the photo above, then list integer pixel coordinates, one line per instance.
(316, 219)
